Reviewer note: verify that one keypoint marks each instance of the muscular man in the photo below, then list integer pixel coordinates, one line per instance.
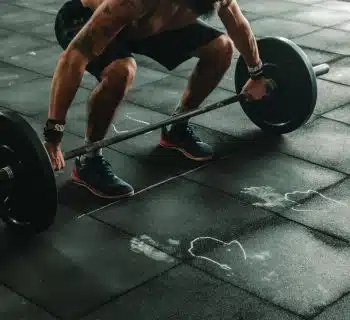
(100, 36)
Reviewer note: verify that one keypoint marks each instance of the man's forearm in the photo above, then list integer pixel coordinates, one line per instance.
(239, 30)
(245, 42)
(65, 84)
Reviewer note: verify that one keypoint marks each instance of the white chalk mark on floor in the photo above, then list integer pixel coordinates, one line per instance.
(174, 242)
(269, 195)
(138, 245)
(223, 266)
(288, 194)
(115, 130)
(270, 276)
(136, 120)
(272, 198)
(262, 256)
(9, 77)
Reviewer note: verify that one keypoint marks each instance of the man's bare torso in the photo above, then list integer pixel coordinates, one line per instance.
(162, 15)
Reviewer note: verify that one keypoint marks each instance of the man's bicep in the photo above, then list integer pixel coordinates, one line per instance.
(107, 20)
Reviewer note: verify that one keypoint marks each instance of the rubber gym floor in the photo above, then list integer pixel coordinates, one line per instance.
(261, 232)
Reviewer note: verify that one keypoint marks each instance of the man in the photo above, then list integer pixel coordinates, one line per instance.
(100, 36)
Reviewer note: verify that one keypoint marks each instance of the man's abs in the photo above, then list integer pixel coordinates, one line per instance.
(160, 16)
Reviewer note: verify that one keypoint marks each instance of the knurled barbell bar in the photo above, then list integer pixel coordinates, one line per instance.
(28, 192)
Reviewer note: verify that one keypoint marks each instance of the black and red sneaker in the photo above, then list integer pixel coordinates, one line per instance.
(182, 138)
(96, 175)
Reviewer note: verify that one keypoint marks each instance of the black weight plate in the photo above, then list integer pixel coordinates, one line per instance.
(293, 102)
(30, 202)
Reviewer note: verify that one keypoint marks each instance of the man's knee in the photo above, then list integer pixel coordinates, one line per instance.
(119, 75)
(221, 51)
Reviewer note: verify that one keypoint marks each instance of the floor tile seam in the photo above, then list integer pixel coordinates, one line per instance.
(5, 60)
(27, 33)
(37, 77)
(339, 23)
(258, 17)
(322, 115)
(304, 159)
(168, 75)
(117, 296)
(297, 2)
(124, 232)
(325, 308)
(18, 5)
(186, 262)
(232, 93)
(141, 104)
(249, 292)
(317, 5)
(331, 61)
(141, 161)
(177, 265)
(315, 163)
(145, 189)
(338, 83)
(135, 158)
(237, 139)
(31, 301)
(334, 27)
(286, 153)
(168, 253)
(128, 234)
(307, 34)
(42, 74)
(280, 214)
(180, 260)
(335, 120)
(196, 168)
(85, 86)
(284, 16)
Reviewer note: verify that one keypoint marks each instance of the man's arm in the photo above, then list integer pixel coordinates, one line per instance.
(108, 19)
(239, 30)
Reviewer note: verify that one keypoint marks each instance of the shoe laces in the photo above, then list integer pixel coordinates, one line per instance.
(189, 134)
(102, 165)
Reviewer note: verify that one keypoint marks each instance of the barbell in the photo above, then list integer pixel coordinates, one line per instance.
(28, 191)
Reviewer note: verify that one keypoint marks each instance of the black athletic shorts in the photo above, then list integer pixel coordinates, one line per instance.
(169, 48)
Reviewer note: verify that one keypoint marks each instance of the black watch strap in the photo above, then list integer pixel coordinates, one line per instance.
(53, 131)
(256, 72)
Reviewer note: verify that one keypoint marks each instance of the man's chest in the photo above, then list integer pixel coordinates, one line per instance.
(166, 14)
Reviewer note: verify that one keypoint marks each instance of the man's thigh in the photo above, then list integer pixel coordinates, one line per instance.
(70, 19)
(173, 47)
